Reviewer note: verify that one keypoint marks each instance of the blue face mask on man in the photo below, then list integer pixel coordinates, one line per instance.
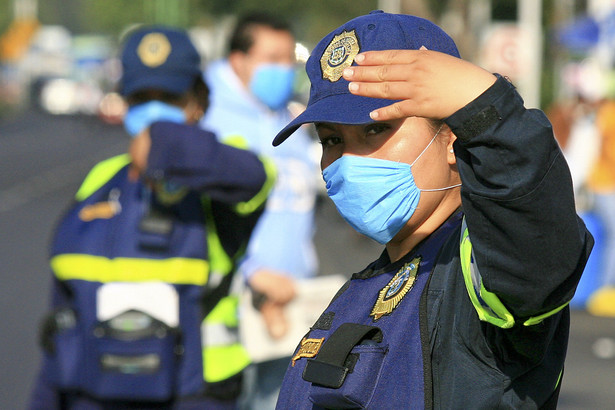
(143, 115)
(376, 197)
(272, 84)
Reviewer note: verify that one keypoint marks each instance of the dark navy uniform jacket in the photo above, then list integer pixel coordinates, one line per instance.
(476, 316)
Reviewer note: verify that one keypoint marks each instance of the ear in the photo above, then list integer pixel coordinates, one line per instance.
(193, 110)
(237, 60)
(452, 159)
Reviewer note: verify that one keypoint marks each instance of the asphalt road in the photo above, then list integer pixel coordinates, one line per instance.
(42, 162)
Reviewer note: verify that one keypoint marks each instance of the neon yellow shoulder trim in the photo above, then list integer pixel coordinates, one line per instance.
(247, 207)
(236, 141)
(100, 174)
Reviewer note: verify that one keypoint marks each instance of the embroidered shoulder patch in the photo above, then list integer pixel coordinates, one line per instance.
(307, 348)
(390, 296)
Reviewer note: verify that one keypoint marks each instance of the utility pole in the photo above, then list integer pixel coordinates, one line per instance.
(529, 17)
(390, 6)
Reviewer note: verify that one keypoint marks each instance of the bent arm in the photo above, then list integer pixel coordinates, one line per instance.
(529, 244)
(194, 158)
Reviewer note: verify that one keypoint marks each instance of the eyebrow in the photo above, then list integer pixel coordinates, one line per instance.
(324, 125)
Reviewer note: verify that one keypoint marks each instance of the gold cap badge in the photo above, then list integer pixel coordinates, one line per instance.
(154, 49)
(307, 348)
(390, 296)
(339, 54)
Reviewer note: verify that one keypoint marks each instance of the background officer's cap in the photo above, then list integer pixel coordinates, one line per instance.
(159, 58)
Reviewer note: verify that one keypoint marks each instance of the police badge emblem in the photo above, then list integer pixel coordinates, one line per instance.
(390, 296)
(339, 54)
(307, 348)
(154, 49)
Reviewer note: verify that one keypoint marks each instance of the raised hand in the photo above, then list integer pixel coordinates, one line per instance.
(429, 83)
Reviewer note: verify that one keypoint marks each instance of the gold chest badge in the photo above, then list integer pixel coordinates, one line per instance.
(307, 348)
(339, 54)
(390, 296)
(100, 210)
(154, 49)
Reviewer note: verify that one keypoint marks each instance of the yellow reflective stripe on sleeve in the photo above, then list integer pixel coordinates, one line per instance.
(222, 362)
(559, 379)
(182, 271)
(246, 208)
(236, 141)
(491, 309)
(100, 174)
(488, 306)
(537, 319)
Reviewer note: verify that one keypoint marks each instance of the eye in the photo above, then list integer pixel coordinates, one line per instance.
(376, 128)
(330, 141)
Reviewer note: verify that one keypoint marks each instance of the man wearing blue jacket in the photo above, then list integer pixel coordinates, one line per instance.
(250, 93)
(141, 315)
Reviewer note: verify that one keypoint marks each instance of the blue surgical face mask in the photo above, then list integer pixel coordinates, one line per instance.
(272, 84)
(143, 115)
(376, 197)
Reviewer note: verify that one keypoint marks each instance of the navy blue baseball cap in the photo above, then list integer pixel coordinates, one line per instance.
(330, 100)
(159, 58)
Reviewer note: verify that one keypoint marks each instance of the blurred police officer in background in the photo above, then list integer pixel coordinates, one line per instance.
(142, 260)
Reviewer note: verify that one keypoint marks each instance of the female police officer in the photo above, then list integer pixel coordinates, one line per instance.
(466, 308)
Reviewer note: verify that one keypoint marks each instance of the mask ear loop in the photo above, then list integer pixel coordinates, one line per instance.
(422, 152)
(428, 145)
(441, 189)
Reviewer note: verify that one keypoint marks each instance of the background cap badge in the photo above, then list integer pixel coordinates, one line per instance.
(339, 54)
(154, 49)
(159, 58)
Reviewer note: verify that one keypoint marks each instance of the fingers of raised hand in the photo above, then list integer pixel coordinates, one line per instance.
(397, 110)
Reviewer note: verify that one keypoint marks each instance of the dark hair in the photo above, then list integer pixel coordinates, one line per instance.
(435, 125)
(242, 38)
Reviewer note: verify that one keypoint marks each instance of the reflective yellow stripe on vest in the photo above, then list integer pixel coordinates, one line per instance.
(180, 271)
(222, 362)
(488, 306)
(223, 354)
